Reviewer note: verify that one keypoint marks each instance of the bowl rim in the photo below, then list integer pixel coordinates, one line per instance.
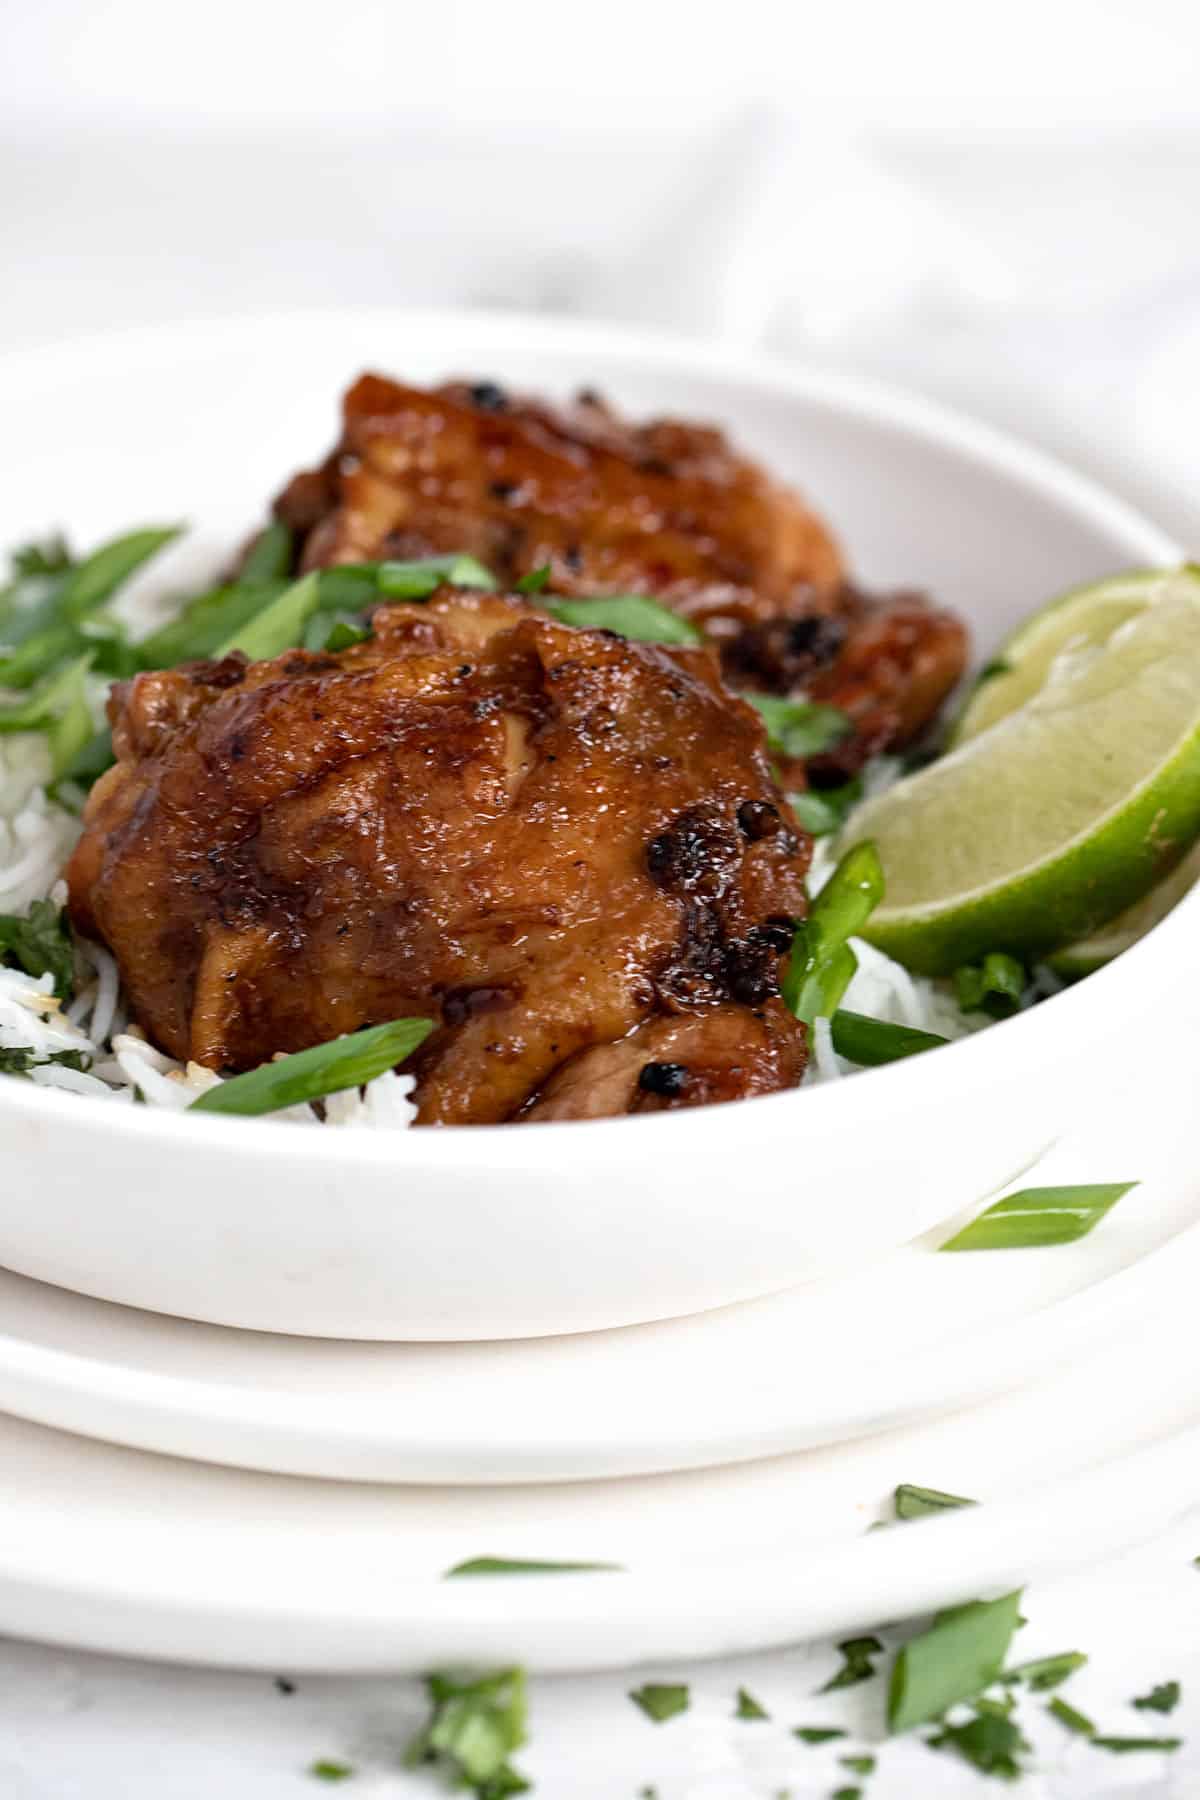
(893, 1088)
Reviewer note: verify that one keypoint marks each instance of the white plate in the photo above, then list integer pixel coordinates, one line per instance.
(491, 1232)
(909, 1334)
(117, 1550)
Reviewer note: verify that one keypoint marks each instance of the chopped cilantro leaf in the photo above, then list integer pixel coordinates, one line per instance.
(748, 1707)
(1161, 1699)
(474, 1727)
(661, 1700)
(990, 1742)
(799, 727)
(40, 942)
(857, 1663)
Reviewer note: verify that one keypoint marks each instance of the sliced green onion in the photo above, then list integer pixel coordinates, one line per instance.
(748, 1707)
(799, 727)
(48, 699)
(311, 1074)
(630, 616)
(536, 580)
(1047, 1672)
(416, 580)
(869, 1042)
(90, 583)
(839, 912)
(661, 1700)
(1071, 1717)
(1040, 1216)
(501, 1565)
(327, 1769)
(280, 624)
(918, 1502)
(90, 760)
(1120, 1745)
(334, 631)
(994, 986)
(962, 1653)
(207, 622)
(270, 555)
(818, 1734)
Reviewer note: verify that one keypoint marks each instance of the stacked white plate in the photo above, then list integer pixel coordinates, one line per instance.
(187, 1491)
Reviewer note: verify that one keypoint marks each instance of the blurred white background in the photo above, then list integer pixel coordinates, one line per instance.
(998, 205)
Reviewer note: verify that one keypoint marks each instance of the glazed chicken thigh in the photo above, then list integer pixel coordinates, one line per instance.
(565, 848)
(665, 508)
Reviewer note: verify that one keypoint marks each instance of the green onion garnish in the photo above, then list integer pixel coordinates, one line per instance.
(326, 1769)
(994, 986)
(536, 580)
(629, 615)
(841, 909)
(918, 1502)
(280, 625)
(501, 1565)
(661, 1700)
(1071, 1717)
(1047, 1672)
(962, 1653)
(311, 1074)
(799, 727)
(748, 1707)
(417, 580)
(869, 1042)
(1037, 1217)
(818, 1734)
(95, 580)
(270, 555)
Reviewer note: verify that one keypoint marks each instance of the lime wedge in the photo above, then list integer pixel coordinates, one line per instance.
(1082, 619)
(1033, 833)
(1093, 952)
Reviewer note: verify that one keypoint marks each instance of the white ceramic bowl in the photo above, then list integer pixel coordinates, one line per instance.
(493, 1231)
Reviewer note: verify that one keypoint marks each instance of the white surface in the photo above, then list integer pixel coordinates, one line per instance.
(930, 1333)
(466, 1233)
(119, 1550)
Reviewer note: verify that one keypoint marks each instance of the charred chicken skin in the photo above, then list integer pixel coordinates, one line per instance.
(566, 848)
(664, 508)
